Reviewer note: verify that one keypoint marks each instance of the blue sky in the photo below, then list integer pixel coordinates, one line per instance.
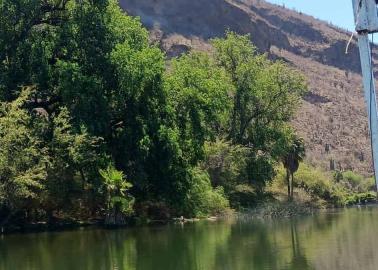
(339, 12)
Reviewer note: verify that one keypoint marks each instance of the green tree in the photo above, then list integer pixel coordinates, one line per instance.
(22, 160)
(74, 158)
(267, 95)
(96, 76)
(199, 94)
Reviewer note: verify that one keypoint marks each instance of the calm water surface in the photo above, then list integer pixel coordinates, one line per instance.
(343, 240)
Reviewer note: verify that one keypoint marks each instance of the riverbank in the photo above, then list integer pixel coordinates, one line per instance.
(276, 208)
(62, 225)
(66, 225)
(268, 210)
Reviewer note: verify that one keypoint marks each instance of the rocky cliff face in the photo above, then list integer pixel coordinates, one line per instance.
(332, 118)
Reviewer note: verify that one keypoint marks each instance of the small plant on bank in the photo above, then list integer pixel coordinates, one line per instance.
(119, 203)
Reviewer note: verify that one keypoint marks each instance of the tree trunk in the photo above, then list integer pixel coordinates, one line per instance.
(83, 180)
(292, 187)
(288, 184)
(115, 218)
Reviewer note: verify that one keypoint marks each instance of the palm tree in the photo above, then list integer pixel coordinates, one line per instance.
(294, 155)
(119, 202)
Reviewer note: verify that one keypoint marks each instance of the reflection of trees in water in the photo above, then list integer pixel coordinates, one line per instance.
(299, 260)
(204, 246)
(249, 247)
(77, 250)
(350, 243)
(342, 241)
(261, 246)
(192, 247)
(320, 242)
(121, 251)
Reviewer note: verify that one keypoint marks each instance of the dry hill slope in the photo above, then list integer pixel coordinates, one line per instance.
(333, 113)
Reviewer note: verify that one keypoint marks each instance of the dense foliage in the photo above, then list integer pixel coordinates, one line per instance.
(87, 102)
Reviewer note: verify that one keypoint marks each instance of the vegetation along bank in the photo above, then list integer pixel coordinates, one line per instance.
(96, 125)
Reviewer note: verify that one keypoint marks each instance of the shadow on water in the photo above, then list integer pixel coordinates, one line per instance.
(341, 240)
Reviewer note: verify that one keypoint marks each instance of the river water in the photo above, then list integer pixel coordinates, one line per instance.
(342, 240)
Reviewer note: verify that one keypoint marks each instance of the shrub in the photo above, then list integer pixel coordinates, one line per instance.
(353, 179)
(243, 196)
(202, 198)
(320, 185)
(225, 163)
(153, 210)
(357, 182)
(358, 198)
(346, 188)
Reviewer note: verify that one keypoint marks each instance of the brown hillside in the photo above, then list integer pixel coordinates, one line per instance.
(333, 113)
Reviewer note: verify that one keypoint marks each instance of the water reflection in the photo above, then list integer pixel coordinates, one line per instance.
(342, 240)
(299, 259)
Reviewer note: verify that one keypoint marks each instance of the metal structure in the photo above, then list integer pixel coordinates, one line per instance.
(366, 20)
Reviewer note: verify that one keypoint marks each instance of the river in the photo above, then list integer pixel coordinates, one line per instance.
(341, 240)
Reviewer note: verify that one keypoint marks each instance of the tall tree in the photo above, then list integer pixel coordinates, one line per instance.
(200, 95)
(266, 97)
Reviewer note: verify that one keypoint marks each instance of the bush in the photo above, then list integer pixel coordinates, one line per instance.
(202, 198)
(322, 186)
(357, 182)
(368, 184)
(243, 196)
(225, 163)
(353, 178)
(367, 197)
(346, 188)
(152, 210)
